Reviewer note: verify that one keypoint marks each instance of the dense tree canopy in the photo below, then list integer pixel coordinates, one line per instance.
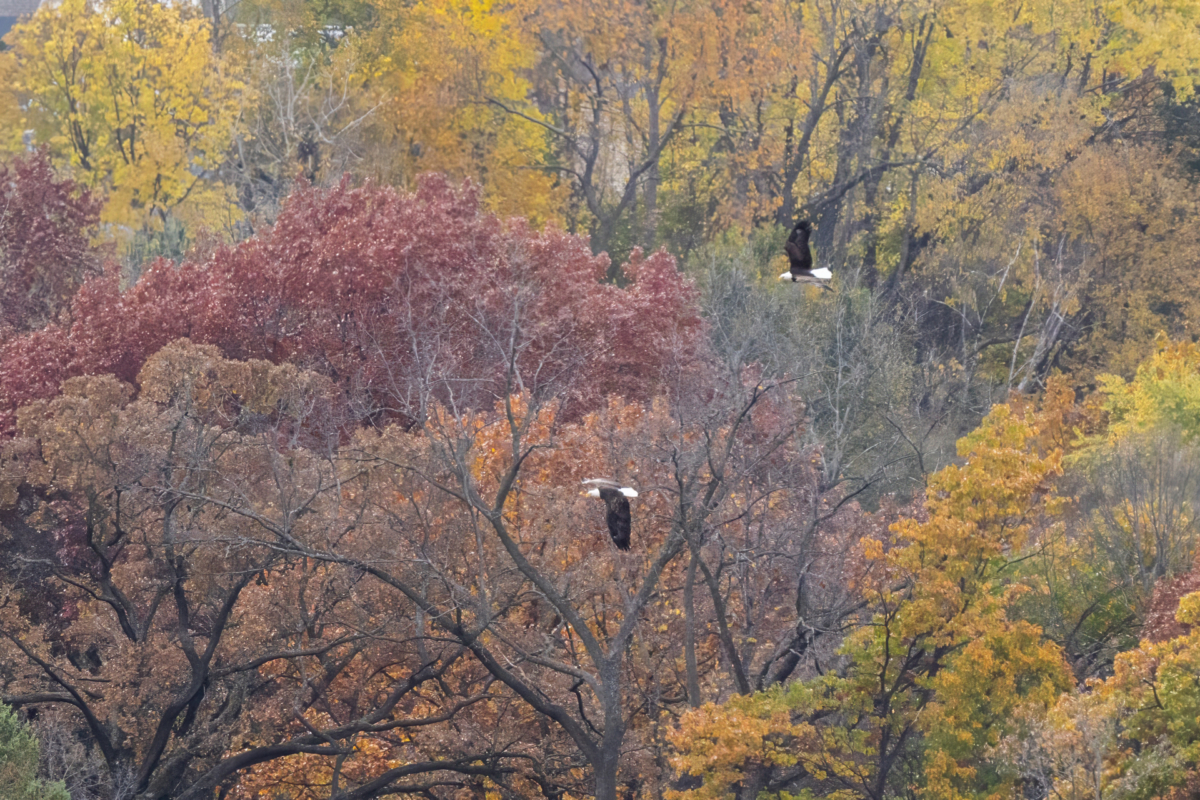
(401, 299)
(304, 511)
(314, 317)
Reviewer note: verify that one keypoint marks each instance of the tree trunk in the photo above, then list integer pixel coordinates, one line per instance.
(689, 635)
(650, 191)
(606, 776)
(608, 754)
(211, 9)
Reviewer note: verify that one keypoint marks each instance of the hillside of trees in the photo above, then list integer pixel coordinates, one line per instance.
(315, 316)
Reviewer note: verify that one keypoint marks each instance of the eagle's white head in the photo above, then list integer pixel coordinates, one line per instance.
(787, 276)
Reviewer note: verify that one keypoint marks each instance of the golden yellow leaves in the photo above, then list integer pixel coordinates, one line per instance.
(936, 651)
(983, 508)
(1166, 391)
(443, 67)
(130, 95)
(722, 743)
(1158, 36)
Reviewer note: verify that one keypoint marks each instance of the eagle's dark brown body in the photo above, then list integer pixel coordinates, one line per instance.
(618, 517)
(800, 262)
(616, 498)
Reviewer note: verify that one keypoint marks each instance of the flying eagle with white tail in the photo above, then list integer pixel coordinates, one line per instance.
(800, 260)
(616, 497)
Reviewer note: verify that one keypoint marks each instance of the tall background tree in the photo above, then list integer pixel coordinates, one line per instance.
(130, 96)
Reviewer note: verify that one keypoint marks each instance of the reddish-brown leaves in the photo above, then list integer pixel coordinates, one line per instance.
(1161, 624)
(45, 227)
(400, 298)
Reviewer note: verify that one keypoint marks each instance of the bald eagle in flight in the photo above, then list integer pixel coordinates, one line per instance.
(800, 258)
(616, 497)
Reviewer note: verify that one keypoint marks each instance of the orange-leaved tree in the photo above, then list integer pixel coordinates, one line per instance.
(488, 534)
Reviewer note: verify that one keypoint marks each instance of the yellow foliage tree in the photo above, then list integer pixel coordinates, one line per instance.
(935, 668)
(130, 96)
(1165, 391)
(443, 71)
(10, 109)
(1132, 466)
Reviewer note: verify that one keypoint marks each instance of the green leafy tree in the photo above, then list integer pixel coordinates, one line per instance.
(19, 762)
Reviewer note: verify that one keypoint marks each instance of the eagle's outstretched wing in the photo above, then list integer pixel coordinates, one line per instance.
(799, 255)
(799, 258)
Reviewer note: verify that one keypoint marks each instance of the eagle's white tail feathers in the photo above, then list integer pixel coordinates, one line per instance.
(822, 273)
(625, 490)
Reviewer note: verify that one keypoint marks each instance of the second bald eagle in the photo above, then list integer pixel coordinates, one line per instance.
(800, 260)
(616, 497)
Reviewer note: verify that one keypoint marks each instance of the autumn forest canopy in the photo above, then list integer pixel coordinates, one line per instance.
(316, 317)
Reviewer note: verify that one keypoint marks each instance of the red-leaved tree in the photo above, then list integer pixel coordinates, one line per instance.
(46, 225)
(401, 299)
